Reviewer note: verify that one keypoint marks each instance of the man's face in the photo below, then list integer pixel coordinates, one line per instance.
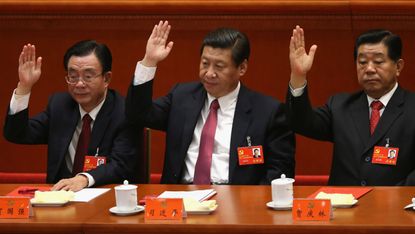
(88, 94)
(218, 73)
(376, 72)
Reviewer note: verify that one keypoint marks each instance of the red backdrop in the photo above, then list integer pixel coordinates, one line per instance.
(124, 26)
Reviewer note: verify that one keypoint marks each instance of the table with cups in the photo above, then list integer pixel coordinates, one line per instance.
(242, 209)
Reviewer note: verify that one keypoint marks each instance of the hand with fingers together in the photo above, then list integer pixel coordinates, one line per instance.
(72, 184)
(157, 48)
(300, 61)
(29, 69)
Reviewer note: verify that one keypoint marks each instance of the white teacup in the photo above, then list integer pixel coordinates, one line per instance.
(282, 191)
(126, 196)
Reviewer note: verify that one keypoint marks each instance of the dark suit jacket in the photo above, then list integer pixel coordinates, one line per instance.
(55, 126)
(260, 117)
(344, 120)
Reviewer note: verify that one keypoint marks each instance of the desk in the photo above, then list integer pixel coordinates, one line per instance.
(66, 219)
(241, 210)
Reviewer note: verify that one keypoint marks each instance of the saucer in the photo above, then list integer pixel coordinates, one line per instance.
(274, 206)
(136, 210)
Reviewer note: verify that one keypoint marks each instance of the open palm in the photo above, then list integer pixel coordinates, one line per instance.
(29, 67)
(157, 49)
(300, 61)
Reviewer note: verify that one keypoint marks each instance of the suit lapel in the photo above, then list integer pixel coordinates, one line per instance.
(392, 111)
(101, 122)
(360, 116)
(65, 130)
(241, 122)
(190, 115)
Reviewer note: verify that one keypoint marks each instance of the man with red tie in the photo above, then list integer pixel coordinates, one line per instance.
(363, 126)
(77, 125)
(212, 125)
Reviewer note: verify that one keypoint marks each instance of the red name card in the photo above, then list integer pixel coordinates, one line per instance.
(312, 209)
(250, 155)
(164, 208)
(14, 207)
(92, 162)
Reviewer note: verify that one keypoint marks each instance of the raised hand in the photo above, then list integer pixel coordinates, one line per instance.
(29, 69)
(157, 49)
(300, 61)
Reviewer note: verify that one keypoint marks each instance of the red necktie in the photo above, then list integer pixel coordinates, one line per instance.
(207, 139)
(375, 116)
(82, 147)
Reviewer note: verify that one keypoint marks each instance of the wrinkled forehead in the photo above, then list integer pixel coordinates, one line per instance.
(87, 62)
(216, 53)
(372, 50)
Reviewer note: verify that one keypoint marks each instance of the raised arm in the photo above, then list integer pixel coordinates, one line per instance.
(300, 61)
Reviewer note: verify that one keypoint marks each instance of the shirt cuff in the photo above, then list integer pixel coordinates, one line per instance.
(18, 102)
(91, 180)
(298, 91)
(143, 74)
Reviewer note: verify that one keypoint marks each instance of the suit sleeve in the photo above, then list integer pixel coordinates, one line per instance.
(125, 160)
(18, 128)
(409, 181)
(303, 119)
(280, 147)
(142, 110)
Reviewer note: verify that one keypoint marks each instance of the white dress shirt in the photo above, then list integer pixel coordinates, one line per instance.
(384, 99)
(220, 158)
(21, 102)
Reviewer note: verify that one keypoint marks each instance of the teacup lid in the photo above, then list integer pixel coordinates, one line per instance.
(283, 180)
(125, 186)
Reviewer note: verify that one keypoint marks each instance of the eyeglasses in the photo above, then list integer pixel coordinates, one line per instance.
(87, 77)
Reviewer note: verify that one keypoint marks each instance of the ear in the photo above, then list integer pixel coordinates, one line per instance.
(107, 77)
(243, 67)
(399, 66)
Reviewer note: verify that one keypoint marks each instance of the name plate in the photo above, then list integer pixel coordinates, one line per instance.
(14, 207)
(164, 209)
(312, 209)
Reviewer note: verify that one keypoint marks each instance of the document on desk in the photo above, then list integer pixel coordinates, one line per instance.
(199, 195)
(87, 194)
(356, 191)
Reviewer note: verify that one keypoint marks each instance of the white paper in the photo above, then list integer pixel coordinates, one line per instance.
(199, 195)
(87, 194)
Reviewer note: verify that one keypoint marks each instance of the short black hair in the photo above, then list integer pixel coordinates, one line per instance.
(225, 38)
(392, 41)
(86, 47)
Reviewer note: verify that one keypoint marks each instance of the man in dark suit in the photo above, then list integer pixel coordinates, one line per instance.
(185, 113)
(364, 125)
(88, 67)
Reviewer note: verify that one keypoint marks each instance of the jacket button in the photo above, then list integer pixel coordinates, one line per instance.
(367, 159)
(363, 183)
